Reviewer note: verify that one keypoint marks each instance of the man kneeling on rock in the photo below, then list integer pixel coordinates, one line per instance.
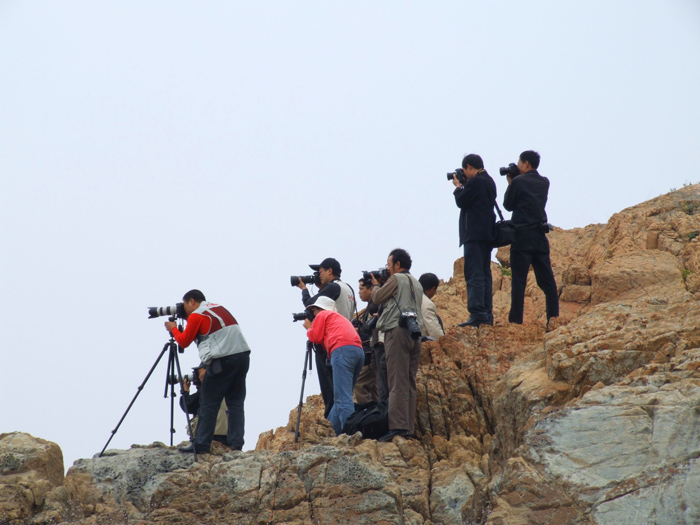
(344, 349)
(226, 355)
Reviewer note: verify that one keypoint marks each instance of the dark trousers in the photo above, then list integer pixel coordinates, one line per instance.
(325, 379)
(402, 360)
(477, 273)
(228, 384)
(531, 248)
(382, 379)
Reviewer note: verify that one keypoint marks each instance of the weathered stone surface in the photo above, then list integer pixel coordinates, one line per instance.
(29, 469)
(597, 421)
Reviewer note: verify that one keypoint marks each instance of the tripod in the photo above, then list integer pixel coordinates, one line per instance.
(173, 366)
(307, 365)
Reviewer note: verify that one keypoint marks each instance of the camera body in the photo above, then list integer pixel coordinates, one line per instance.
(302, 316)
(177, 311)
(381, 275)
(512, 170)
(306, 279)
(409, 319)
(459, 173)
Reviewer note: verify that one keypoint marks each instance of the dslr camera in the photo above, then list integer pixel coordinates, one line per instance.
(409, 319)
(301, 316)
(314, 279)
(381, 275)
(459, 173)
(192, 378)
(174, 311)
(511, 170)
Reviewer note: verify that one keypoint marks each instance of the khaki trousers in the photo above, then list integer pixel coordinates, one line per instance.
(402, 360)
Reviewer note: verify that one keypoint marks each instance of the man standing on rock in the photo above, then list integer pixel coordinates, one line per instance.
(476, 199)
(331, 286)
(226, 355)
(402, 296)
(526, 197)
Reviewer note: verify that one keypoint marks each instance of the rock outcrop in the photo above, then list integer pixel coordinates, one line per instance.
(597, 421)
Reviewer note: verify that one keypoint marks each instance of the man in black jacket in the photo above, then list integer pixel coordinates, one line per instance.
(526, 197)
(477, 231)
(344, 296)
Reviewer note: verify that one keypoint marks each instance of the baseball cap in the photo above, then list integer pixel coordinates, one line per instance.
(328, 262)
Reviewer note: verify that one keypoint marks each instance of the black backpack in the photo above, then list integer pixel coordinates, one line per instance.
(372, 419)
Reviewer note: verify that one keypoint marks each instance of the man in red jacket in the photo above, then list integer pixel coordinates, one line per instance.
(226, 355)
(344, 349)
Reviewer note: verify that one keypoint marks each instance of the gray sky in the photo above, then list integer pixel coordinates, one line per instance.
(147, 148)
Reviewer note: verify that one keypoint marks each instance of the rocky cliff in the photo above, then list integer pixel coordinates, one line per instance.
(597, 421)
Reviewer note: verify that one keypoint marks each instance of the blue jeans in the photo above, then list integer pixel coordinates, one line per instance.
(347, 363)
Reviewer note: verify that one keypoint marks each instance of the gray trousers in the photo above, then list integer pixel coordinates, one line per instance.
(402, 360)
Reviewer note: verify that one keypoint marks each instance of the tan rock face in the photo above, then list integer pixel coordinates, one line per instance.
(594, 422)
(29, 469)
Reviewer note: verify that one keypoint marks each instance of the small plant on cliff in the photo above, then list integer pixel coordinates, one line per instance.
(686, 273)
(689, 208)
(505, 271)
(692, 235)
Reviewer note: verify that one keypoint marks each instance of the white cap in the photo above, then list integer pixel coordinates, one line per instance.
(324, 303)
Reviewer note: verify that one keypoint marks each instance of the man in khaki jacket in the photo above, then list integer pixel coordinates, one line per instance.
(402, 323)
(432, 323)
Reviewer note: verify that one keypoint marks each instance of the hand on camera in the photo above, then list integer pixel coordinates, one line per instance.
(169, 325)
(301, 284)
(185, 385)
(307, 324)
(456, 182)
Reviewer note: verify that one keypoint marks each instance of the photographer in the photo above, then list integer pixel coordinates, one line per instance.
(366, 385)
(332, 287)
(431, 320)
(526, 197)
(190, 404)
(224, 351)
(402, 297)
(344, 349)
(476, 197)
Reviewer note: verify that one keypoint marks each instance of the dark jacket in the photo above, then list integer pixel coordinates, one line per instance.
(476, 199)
(526, 197)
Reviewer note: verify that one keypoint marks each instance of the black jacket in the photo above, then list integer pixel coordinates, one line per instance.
(477, 220)
(526, 197)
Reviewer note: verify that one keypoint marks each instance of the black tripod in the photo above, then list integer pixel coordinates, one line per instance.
(170, 379)
(307, 365)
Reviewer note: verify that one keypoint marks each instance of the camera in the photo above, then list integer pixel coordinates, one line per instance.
(192, 378)
(459, 173)
(306, 279)
(409, 320)
(301, 316)
(511, 170)
(382, 274)
(157, 311)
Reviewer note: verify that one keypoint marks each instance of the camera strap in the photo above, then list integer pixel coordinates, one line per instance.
(498, 210)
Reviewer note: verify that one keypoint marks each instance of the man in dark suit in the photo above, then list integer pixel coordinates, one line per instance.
(526, 197)
(477, 230)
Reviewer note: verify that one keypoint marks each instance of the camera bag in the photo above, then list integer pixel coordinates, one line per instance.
(371, 419)
(505, 231)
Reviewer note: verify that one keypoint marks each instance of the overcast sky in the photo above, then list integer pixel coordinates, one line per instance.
(147, 148)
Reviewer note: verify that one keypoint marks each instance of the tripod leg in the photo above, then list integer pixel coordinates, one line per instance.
(307, 363)
(138, 391)
(176, 361)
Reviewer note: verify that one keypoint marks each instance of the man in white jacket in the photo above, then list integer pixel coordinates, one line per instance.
(432, 325)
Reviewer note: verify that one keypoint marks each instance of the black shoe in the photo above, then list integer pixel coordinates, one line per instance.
(190, 449)
(393, 433)
(473, 321)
